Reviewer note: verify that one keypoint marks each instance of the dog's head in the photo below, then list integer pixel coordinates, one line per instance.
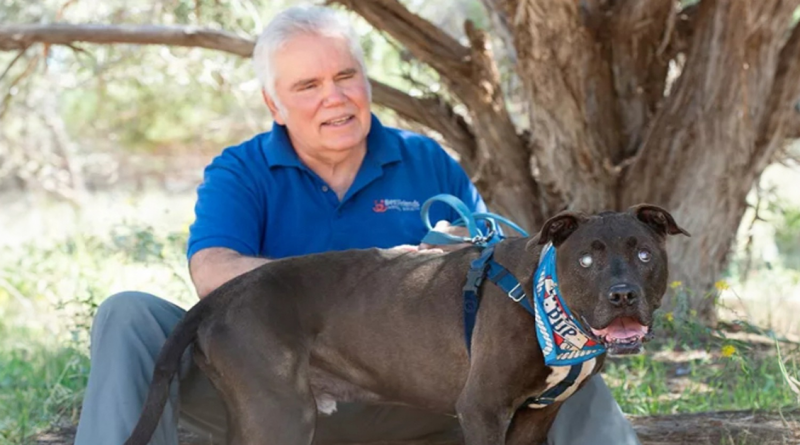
(612, 270)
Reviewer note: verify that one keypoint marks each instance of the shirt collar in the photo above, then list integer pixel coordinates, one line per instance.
(381, 149)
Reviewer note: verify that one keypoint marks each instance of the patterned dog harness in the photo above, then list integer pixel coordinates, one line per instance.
(560, 336)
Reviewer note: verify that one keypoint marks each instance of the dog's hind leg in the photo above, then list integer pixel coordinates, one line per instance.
(265, 386)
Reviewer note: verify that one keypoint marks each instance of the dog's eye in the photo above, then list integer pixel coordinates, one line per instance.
(586, 260)
(645, 255)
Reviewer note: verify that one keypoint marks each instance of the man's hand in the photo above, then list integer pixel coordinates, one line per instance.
(445, 227)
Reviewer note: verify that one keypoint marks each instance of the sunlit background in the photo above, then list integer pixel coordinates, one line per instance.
(101, 149)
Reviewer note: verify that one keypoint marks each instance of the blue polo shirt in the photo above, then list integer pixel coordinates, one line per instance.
(259, 199)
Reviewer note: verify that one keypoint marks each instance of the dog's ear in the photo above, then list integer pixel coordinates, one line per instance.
(558, 228)
(657, 219)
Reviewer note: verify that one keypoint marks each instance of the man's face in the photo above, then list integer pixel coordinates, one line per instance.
(323, 92)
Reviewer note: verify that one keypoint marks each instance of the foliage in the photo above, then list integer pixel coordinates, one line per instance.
(693, 368)
(787, 236)
(48, 296)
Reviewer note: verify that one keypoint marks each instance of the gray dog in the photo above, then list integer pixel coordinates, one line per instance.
(293, 337)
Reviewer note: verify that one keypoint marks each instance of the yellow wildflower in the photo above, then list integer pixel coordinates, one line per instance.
(728, 350)
(670, 317)
(676, 284)
(722, 285)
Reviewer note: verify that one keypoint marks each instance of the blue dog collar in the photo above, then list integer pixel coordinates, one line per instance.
(563, 341)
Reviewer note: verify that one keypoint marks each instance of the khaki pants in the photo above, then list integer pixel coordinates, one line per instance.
(131, 327)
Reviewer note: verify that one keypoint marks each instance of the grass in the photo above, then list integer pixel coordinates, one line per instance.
(40, 384)
(49, 293)
(719, 375)
(48, 296)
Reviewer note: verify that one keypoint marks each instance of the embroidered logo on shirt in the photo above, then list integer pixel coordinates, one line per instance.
(379, 206)
(382, 205)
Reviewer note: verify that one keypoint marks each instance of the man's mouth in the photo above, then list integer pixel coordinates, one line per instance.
(623, 336)
(339, 121)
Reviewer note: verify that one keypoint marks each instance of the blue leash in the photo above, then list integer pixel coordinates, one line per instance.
(467, 219)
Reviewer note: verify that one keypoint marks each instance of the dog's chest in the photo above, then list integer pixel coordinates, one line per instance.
(558, 374)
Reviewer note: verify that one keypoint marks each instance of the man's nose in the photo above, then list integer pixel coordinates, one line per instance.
(333, 95)
(623, 294)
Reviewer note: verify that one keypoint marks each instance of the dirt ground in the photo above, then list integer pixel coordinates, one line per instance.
(721, 428)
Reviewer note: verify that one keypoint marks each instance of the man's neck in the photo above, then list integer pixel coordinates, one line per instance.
(337, 169)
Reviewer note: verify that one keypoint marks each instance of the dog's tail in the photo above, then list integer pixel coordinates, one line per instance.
(167, 365)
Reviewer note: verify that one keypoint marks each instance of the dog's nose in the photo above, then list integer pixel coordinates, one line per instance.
(622, 294)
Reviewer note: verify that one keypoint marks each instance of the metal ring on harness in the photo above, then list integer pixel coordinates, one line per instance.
(467, 219)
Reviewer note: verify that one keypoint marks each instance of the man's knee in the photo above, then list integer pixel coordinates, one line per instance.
(130, 311)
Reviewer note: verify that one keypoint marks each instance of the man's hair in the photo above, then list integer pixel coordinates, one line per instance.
(294, 22)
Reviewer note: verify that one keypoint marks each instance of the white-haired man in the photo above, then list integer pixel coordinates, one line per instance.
(328, 176)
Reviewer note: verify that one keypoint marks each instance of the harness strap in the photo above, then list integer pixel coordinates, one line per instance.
(549, 396)
(485, 266)
(500, 276)
(475, 276)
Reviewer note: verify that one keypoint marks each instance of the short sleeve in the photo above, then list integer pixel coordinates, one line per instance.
(230, 211)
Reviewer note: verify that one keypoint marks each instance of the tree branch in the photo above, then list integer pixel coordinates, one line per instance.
(16, 37)
(434, 113)
(422, 38)
(504, 154)
(501, 26)
(783, 117)
(13, 62)
(4, 103)
(431, 112)
(569, 86)
(793, 125)
(681, 35)
(636, 31)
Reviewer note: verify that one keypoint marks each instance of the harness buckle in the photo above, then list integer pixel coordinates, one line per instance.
(516, 293)
(474, 279)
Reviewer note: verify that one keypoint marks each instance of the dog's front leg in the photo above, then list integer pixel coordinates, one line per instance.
(484, 416)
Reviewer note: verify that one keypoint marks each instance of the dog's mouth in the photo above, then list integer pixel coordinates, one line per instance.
(623, 336)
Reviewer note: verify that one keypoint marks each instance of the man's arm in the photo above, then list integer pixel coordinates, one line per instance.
(212, 267)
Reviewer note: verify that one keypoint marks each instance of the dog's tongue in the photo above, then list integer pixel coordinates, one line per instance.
(622, 328)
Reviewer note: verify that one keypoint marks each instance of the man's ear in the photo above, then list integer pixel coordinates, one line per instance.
(558, 228)
(273, 107)
(657, 219)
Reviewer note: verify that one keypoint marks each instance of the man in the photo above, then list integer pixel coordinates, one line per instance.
(328, 176)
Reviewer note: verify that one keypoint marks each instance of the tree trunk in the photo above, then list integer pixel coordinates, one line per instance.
(708, 144)
(610, 131)
(629, 101)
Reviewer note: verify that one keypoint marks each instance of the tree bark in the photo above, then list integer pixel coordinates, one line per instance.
(701, 156)
(434, 113)
(17, 37)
